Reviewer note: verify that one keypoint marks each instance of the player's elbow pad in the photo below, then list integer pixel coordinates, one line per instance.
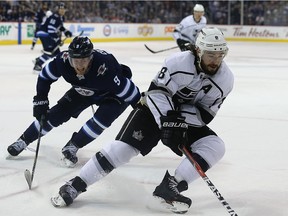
(205, 115)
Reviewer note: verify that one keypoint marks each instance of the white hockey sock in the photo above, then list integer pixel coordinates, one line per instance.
(102, 163)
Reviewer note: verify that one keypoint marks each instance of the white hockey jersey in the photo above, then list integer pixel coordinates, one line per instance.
(179, 86)
(188, 29)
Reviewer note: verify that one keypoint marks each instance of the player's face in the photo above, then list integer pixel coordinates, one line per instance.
(61, 11)
(81, 65)
(211, 61)
(44, 6)
(197, 15)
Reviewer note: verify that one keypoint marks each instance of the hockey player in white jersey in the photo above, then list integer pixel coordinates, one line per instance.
(186, 31)
(182, 99)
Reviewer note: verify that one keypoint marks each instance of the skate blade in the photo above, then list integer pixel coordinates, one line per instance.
(10, 157)
(58, 201)
(175, 207)
(17, 157)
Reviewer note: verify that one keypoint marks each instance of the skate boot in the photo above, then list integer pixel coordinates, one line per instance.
(17, 147)
(69, 152)
(68, 192)
(169, 194)
(37, 66)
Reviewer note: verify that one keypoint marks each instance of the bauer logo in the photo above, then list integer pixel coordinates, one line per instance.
(107, 30)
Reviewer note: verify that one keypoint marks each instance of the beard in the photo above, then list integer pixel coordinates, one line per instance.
(210, 69)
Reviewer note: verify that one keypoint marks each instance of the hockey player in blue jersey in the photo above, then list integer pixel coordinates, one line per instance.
(97, 78)
(50, 35)
(39, 18)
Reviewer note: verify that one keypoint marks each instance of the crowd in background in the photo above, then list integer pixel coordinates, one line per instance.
(217, 12)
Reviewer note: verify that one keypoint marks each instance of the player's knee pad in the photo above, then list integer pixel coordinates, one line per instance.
(119, 153)
(210, 148)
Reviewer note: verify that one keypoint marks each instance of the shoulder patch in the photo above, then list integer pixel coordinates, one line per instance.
(102, 69)
(65, 56)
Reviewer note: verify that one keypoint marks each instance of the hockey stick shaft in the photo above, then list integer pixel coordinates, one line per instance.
(212, 187)
(159, 51)
(30, 176)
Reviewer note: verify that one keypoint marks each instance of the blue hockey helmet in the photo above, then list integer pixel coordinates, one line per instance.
(80, 47)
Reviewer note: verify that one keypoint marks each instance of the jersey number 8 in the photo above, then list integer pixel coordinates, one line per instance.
(162, 72)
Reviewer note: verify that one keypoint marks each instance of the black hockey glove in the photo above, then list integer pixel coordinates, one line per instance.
(173, 131)
(68, 33)
(183, 44)
(40, 107)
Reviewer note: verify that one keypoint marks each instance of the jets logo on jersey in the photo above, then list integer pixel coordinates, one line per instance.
(84, 92)
(101, 70)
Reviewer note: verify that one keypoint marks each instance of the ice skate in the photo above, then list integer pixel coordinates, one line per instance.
(69, 154)
(168, 193)
(68, 192)
(16, 148)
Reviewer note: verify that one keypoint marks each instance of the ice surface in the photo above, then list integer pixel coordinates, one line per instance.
(253, 121)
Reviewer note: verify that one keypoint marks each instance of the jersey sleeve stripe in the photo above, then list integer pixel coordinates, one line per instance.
(90, 132)
(132, 96)
(125, 90)
(46, 70)
(99, 124)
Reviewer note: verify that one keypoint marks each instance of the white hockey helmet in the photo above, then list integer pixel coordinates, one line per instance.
(198, 8)
(48, 13)
(211, 39)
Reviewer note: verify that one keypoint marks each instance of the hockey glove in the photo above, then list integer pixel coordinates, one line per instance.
(173, 131)
(40, 107)
(183, 44)
(68, 33)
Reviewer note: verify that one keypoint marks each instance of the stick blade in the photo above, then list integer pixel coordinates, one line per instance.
(149, 49)
(28, 178)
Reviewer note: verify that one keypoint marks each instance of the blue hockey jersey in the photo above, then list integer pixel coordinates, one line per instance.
(52, 27)
(103, 79)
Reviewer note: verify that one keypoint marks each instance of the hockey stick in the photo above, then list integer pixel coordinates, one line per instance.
(28, 175)
(188, 154)
(159, 51)
(59, 45)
